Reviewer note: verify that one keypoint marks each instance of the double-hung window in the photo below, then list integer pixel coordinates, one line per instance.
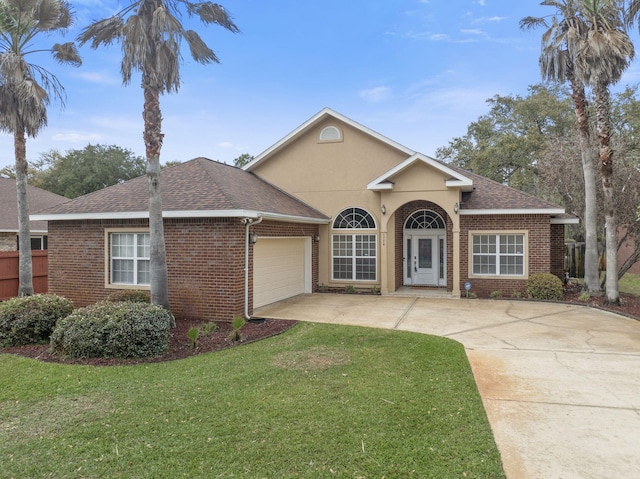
(354, 253)
(129, 258)
(498, 254)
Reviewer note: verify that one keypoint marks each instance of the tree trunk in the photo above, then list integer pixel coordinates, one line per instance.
(25, 287)
(591, 273)
(606, 174)
(153, 143)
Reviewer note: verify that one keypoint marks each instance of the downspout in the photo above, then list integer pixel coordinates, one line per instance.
(247, 222)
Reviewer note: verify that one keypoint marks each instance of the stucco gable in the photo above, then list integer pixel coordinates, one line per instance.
(451, 178)
(320, 117)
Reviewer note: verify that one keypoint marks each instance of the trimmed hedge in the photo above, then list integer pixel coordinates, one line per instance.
(134, 295)
(545, 286)
(113, 330)
(31, 319)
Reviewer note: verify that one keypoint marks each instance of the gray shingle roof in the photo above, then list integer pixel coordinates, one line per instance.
(38, 200)
(491, 195)
(196, 185)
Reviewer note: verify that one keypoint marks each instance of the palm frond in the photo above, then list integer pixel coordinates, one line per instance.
(528, 23)
(200, 52)
(67, 53)
(212, 13)
(102, 32)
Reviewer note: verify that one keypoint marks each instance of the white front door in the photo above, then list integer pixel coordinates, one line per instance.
(424, 259)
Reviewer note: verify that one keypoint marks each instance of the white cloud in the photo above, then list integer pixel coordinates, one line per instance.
(225, 144)
(100, 78)
(77, 137)
(376, 95)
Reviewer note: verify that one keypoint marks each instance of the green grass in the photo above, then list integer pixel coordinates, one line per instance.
(630, 283)
(318, 401)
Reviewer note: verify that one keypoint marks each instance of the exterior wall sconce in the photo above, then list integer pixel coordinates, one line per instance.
(383, 208)
(253, 238)
(316, 238)
(456, 207)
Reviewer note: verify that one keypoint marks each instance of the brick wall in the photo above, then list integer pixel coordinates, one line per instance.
(539, 249)
(8, 242)
(205, 260)
(556, 251)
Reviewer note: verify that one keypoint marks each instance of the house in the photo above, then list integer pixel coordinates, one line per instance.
(331, 204)
(38, 200)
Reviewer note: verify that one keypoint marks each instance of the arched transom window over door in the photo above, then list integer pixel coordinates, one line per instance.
(354, 252)
(424, 220)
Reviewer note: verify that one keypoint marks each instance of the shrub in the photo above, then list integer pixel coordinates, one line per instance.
(133, 295)
(113, 330)
(585, 296)
(516, 294)
(350, 289)
(193, 334)
(237, 324)
(31, 319)
(545, 286)
(495, 294)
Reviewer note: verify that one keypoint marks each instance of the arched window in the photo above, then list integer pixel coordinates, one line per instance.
(354, 218)
(354, 255)
(330, 133)
(424, 220)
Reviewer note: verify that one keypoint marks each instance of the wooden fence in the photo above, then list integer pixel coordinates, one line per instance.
(9, 269)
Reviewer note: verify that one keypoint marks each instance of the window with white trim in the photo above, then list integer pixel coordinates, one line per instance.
(498, 254)
(129, 258)
(354, 255)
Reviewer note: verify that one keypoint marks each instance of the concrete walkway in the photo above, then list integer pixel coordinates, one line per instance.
(560, 383)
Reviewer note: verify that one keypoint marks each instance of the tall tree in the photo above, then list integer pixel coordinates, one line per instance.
(557, 65)
(601, 55)
(78, 172)
(25, 90)
(150, 33)
(504, 144)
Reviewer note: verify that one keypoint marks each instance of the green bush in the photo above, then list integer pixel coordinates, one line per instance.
(545, 286)
(31, 319)
(134, 295)
(495, 294)
(113, 330)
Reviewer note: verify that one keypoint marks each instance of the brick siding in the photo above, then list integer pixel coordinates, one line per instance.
(205, 260)
(8, 242)
(542, 258)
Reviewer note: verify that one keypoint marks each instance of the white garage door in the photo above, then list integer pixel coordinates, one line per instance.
(281, 269)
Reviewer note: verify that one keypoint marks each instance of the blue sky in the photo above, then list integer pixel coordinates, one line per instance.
(416, 71)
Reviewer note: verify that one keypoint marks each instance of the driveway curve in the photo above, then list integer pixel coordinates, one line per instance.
(560, 383)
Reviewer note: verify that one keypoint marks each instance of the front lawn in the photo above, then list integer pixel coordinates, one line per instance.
(317, 401)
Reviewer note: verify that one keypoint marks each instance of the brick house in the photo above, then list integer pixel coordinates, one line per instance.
(38, 200)
(331, 204)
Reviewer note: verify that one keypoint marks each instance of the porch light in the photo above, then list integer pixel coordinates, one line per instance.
(316, 238)
(383, 208)
(455, 208)
(253, 238)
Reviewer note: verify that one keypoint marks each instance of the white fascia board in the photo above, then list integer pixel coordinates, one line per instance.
(325, 112)
(549, 211)
(565, 221)
(178, 214)
(382, 181)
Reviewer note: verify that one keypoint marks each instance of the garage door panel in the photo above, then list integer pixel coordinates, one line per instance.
(278, 269)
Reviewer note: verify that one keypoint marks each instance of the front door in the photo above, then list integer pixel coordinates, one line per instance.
(424, 260)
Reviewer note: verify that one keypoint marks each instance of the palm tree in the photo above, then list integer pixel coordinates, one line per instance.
(557, 65)
(150, 33)
(25, 90)
(601, 56)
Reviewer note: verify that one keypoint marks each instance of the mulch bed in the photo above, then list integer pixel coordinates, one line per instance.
(180, 345)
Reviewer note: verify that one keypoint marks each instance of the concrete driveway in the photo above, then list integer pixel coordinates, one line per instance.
(560, 383)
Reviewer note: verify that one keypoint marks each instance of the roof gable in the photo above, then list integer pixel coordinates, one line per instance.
(456, 179)
(318, 118)
(196, 188)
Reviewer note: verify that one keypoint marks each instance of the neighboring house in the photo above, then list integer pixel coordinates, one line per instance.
(38, 200)
(331, 204)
